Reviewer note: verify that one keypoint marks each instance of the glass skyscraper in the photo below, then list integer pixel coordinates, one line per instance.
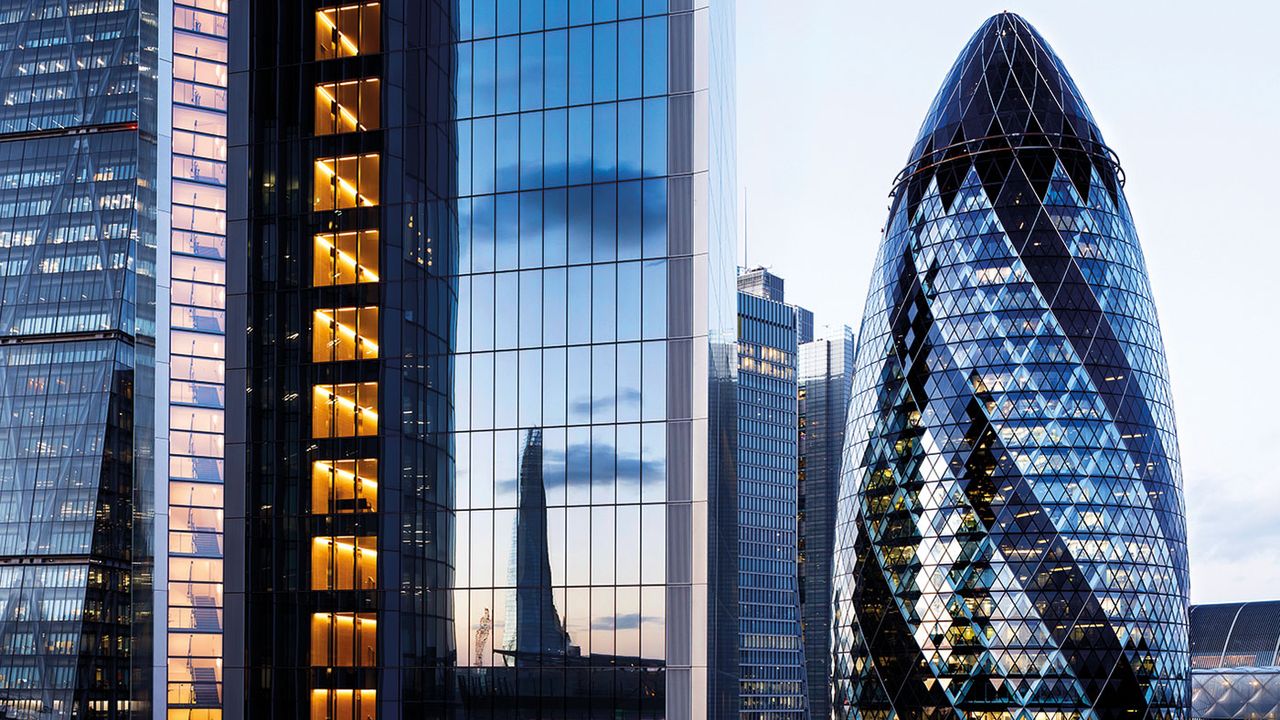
(342, 244)
(595, 338)
(1011, 537)
(79, 338)
(825, 377)
(770, 645)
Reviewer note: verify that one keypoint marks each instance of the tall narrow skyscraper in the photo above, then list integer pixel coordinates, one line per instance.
(341, 246)
(79, 172)
(825, 368)
(596, 198)
(1011, 535)
(770, 645)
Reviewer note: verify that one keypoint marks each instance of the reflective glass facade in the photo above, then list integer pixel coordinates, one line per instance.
(594, 362)
(78, 179)
(770, 644)
(1011, 531)
(825, 377)
(342, 247)
(197, 330)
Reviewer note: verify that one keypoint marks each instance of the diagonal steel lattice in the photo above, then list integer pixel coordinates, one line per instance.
(1011, 533)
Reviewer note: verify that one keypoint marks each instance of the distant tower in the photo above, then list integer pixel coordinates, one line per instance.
(771, 648)
(825, 369)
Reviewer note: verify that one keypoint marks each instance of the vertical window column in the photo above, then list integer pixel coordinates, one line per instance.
(197, 331)
(342, 486)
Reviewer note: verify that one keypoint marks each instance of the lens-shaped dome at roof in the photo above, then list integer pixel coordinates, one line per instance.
(1011, 539)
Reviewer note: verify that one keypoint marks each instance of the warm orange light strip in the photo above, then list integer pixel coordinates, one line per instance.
(349, 259)
(323, 165)
(346, 473)
(342, 38)
(347, 402)
(348, 330)
(346, 618)
(342, 109)
(343, 545)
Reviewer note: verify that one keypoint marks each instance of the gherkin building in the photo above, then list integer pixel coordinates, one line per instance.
(1011, 539)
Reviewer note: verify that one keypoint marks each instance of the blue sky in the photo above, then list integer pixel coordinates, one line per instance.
(832, 92)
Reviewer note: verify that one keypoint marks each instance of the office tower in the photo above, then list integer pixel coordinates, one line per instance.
(1235, 660)
(761, 283)
(1011, 537)
(771, 651)
(825, 368)
(596, 302)
(338, 504)
(191, 582)
(78, 285)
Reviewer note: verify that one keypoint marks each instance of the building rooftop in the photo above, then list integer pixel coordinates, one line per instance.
(1235, 634)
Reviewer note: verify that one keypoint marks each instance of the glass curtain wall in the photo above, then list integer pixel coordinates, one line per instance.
(825, 368)
(772, 666)
(78, 180)
(594, 352)
(197, 321)
(341, 485)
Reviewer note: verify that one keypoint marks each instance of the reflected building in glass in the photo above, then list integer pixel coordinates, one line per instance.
(825, 377)
(339, 473)
(80, 341)
(772, 670)
(594, 403)
(1011, 535)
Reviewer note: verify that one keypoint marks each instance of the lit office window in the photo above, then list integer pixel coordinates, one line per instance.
(346, 182)
(345, 258)
(344, 334)
(343, 704)
(346, 410)
(344, 486)
(348, 30)
(351, 106)
(344, 640)
(344, 563)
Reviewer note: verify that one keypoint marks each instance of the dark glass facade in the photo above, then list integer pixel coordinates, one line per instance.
(341, 250)
(1011, 537)
(78, 179)
(825, 379)
(770, 643)
(595, 358)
